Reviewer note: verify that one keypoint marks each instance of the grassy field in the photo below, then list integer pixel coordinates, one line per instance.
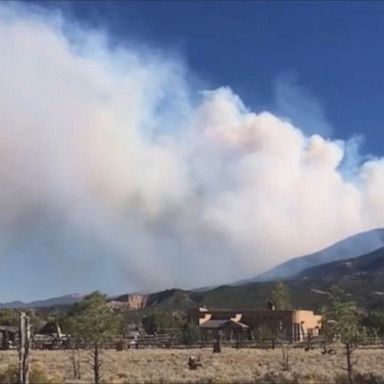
(230, 366)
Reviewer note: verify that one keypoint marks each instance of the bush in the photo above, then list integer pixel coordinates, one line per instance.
(9, 376)
(37, 375)
(281, 378)
(276, 378)
(190, 334)
(360, 378)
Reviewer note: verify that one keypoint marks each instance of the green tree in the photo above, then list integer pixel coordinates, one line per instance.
(280, 296)
(273, 331)
(93, 324)
(190, 333)
(374, 323)
(341, 321)
(161, 322)
(11, 317)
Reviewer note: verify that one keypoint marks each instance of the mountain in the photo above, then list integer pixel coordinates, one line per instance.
(350, 247)
(52, 302)
(310, 278)
(362, 278)
(370, 266)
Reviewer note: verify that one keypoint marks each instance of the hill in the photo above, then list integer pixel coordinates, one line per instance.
(51, 302)
(362, 277)
(350, 247)
(370, 265)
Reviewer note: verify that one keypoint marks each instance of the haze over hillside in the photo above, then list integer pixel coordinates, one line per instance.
(350, 247)
(361, 277)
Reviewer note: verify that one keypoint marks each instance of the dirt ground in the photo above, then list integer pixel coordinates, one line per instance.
(229, 366)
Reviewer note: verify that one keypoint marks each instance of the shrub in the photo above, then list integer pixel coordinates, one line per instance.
(37, 376)
(360, 378)
(276, 378)
(9, 376)
(281, 378)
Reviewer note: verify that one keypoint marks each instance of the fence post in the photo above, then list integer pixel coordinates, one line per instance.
(217, 344)
(24, 348)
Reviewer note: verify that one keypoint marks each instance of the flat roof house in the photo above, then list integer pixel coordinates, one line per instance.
(292, 325)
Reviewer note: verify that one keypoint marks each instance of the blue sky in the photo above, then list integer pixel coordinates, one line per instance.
(104, 188)
(332, 51)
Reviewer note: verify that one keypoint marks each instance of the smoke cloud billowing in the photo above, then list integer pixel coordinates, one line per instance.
(116, 174)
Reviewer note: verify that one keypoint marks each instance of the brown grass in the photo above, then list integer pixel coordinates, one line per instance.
(230, 366)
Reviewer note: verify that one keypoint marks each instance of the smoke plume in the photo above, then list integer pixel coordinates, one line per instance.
(116, 174)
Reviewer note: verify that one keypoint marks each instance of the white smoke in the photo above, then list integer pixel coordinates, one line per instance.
(113, 178)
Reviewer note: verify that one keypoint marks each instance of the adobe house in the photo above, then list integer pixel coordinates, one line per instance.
(292, 325)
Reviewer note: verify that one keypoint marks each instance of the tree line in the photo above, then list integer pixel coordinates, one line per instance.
(92, 323)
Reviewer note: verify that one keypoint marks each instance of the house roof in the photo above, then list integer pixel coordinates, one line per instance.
(6, 328)
(215, 324)
(134, 334)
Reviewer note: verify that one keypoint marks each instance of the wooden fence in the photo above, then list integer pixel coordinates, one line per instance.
(168, 341)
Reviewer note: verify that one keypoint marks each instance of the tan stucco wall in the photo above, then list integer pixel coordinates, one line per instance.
(307, 319)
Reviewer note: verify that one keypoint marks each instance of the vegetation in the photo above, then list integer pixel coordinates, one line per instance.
(374, 323)
(93, 323)
(280, 296)
(38, 375)
(11, 317)
(190, 334)
(342, 323)
(157, 366)
(161, 322)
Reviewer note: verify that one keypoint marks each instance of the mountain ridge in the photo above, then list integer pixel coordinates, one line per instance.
(350, 247)
(362, 276)
(50, 302)
(372, 263)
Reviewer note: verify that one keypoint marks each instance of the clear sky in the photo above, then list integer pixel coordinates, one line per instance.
(333, 50)
(152, 144)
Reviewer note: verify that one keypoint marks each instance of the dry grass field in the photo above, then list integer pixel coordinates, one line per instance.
(230, 366)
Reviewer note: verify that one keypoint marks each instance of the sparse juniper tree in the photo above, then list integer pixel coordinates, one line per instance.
(341, 322)
(280, 296)
(273, 331)
(163, 322)
(190, 333)
(93, 324)
(160, 322)
(374, 323)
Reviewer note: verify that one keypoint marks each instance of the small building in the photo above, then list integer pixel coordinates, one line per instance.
(229, 329)
(8, 336)
(291, 325)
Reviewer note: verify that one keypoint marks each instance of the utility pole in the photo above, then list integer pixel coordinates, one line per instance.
(24, 348)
